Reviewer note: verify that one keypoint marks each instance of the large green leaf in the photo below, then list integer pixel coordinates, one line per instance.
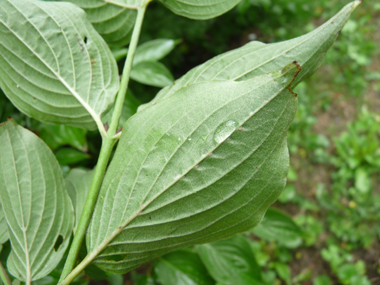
(78, 184)
(200, 9)
(130, 4)
(113, 23)
(202, 165)
(54, 65)
(3, 227)
(256, 58)
(231, 261)
(36, 205)
(182, 267)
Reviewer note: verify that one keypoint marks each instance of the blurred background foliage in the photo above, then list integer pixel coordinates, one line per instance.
(325, 227)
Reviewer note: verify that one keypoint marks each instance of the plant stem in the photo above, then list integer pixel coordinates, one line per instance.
(4, 276)
(105, 153)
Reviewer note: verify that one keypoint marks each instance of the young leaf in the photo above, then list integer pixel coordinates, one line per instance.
(256, 58)
(3, 227)
(113, 23)
(182, 267)
(54, 66)
(154, 50)
(279, 227)
(36, 205)
(200, 166)
(200, 9)
(231, 261)
(152, 73)
(78, 184)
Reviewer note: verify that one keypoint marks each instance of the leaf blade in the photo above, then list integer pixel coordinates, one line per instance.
(256, 58)
(152, 198)
(200, 9)
(68, 77)
(29, 175)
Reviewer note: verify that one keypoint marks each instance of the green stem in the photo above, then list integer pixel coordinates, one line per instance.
(68, 274)
(4, 276)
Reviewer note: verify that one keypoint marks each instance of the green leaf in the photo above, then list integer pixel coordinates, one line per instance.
(152, 73)
(119, 53)
(78, 184)
(113, 23)
(56, 136)
(200, 166)
(200, 9)
(67, 156)
(182, 267)
(3, 227)
(129, 109)
(231, 261)
(283, 271)
(54, 66)
(36, 205)
(256, 58)
(154, 50)
(279, 227)
(129, 4)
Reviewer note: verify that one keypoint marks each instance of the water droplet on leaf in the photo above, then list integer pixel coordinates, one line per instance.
(224, 130)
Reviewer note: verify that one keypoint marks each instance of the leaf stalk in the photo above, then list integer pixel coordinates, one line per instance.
(68, 274)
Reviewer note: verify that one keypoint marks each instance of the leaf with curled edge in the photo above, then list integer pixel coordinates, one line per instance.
(54, 66)
(36, 205)
(199, 166)
(257, 58)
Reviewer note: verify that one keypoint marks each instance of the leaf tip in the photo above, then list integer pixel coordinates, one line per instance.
(356, 3)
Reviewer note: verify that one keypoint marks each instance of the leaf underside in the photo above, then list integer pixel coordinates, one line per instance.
(200, 166)
(114, 23)
(3, 227)
(256, 58)
(36, 205)
(55, 66)
(200, 9)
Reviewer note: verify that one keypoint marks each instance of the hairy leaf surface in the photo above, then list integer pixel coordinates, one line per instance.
(36, 205)
(200, 166)
(114, 23)
(200, 9)
(256, 58)
(54, 65)
(78, 184)
(3, 227)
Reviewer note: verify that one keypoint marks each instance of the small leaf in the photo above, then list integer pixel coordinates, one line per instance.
(231, 261)
(152, 73)
(182, 267)
(119, 53)
(200, 9)
(56, 136)
(154, 50)
(54, 65)
(68, 156)
(200, 166)
(36, 205)
(129, 109)
(279, 227)
(3, 227)
(256, 58)
(78, 184)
